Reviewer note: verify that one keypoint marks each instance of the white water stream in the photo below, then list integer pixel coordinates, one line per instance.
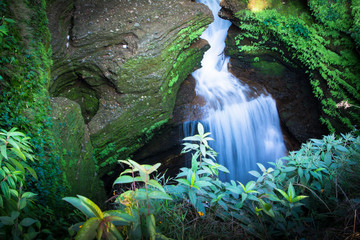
(244, 124)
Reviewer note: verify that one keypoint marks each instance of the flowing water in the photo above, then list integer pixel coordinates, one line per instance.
(244, 124)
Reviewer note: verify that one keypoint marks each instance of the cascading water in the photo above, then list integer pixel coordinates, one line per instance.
(244, 124)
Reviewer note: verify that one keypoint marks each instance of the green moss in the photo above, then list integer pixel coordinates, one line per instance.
(269, 68)
(333, 71)
(24, 101)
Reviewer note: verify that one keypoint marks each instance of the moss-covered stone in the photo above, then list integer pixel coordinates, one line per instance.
(132, 57)
(76, 151)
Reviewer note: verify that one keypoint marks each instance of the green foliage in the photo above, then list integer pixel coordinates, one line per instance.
(355, 29)
(15, 152)
(98, 224)
(24, 102)
(334, 14)
(281, 202)
(327, 55)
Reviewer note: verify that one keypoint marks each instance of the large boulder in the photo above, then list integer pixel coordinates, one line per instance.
(75, 149)
(123, 62)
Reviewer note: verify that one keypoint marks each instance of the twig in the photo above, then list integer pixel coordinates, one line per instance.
(298, 184)
(354, 221)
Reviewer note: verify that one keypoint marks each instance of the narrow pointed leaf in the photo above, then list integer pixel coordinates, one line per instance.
(88, 229)
(150, 224)
(94, 208)
(76, 202)
(123, 179)
(283, 193)
(298, 198)
(138, 166)
(157, 185)
(291, 191)
(200, 128)
(159, 195)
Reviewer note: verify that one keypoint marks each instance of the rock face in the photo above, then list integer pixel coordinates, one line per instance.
(123, 62)
(75, 149)
(299, 110)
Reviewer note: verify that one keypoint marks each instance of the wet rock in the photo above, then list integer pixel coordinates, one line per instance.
(75, 149)
(124, 69)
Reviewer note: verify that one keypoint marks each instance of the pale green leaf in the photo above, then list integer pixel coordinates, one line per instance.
(157, 185)
(298, 198)
(150, 224)
(183, 181)
(88, 229)
(159, 195)
(138, 166)
(200, 128)
(291, 191)
(76, 202)
(92, 206)
(26, 222)
(123, 179)
(3, 151)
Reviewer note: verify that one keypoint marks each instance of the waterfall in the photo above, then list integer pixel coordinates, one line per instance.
(244, 124)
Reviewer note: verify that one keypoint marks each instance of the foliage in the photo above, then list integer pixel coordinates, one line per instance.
(15, 152)
(135, 208)
(24, 101)
(281, 202)
(99, 224)
(327, 55)
(355, 29)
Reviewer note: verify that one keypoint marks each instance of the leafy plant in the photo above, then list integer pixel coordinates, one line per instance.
(15, 151)
(99, 224)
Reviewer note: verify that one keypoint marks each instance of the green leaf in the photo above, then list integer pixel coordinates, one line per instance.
(250, 185)
(5, 189)
(114, 232)
(138, 166)
(31, 171)
(15, 215)
(157, 185)
(159, 195)
(200, 128)
(193, 138)
(298, 198)
(121, 217)
(3, 151)
(6, 220)
(94, 208)
(255, 174)
(14, 144)
(123, 179)
(29, 195)
(289, 169)
(150, 223)
(22, 203)
(192, 197)
(88, 230)
(233, 189)
(26, 222)
(291, 191)
(201, 184)
(284, 194)
(262, 168)
(1, 202)
(76, 202)
(183, 181)
(154, 168)
(16, 163)
(327, 158)
(140, 194)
